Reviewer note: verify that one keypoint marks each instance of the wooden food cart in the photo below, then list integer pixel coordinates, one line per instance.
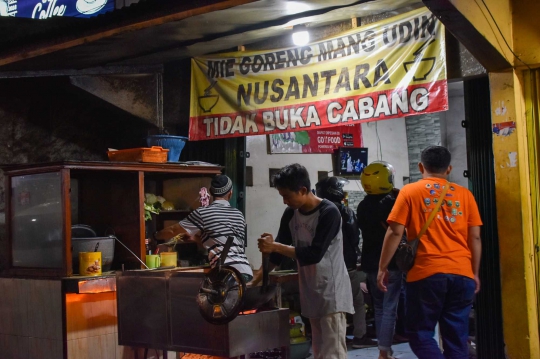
(47, 311)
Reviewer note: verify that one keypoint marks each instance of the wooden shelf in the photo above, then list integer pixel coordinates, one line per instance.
(106, 195)
(111, 166)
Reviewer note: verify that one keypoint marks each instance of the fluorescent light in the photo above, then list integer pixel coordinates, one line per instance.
(295, 7)
(300, 35)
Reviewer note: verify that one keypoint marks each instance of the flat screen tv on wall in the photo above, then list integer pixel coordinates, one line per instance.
(351, 161)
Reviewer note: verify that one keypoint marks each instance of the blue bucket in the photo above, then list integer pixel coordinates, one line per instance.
(175, 145)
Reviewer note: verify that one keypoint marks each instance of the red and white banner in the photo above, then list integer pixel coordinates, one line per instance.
(394, 68)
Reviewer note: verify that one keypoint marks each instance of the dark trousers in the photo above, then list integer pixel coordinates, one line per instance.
(443, 298)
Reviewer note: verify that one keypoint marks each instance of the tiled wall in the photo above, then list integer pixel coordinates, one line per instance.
(422, 131)
(31, 324)
(355, 197)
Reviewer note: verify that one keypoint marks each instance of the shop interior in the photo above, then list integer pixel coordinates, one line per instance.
(61, 120)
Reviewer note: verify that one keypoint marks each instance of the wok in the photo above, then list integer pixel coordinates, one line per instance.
(223, 293)
(257, 297)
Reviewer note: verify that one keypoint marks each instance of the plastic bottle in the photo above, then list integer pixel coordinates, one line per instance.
(147, 245)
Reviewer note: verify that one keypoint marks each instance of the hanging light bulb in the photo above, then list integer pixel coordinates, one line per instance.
(300, 35)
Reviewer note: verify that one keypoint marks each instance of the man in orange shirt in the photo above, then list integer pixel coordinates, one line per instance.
(441, 285)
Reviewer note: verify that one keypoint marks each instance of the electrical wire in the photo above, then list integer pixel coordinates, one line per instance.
(379, 146)
(500, 32)
(360, 188)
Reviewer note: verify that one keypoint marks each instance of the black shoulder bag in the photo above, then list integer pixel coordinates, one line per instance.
(406, 252)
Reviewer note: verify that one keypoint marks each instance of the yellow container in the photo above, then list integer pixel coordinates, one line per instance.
(169, 259)
(90, 263)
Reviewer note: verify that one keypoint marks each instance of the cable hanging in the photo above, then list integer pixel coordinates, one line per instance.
(500, 32)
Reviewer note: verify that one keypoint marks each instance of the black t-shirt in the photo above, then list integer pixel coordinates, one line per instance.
(351, 236)
(371, 215)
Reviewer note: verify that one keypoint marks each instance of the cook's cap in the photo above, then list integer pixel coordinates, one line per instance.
(220, 186)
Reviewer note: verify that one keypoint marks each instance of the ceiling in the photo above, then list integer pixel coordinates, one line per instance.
(146, 34)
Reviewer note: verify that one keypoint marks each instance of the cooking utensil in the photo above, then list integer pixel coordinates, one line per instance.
(82, 231)
(265, 263)
(225, 251)
(257, 297)
(223, 294)
(220, 293)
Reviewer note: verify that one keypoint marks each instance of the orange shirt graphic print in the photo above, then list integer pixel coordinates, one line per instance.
(443, 248)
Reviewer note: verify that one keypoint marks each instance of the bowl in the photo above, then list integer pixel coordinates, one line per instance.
(300, 350)
(175, 145)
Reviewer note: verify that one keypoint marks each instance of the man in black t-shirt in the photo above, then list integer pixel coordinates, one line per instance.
(331, 188)
(378, 182)
(310, 232)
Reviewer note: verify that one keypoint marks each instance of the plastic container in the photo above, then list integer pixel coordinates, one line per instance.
(175, 145)
(169, 259)
(90, 263)
(154, 154)
(296, 330)
(81, 245)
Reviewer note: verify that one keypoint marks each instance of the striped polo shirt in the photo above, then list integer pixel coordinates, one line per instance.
(214, 224)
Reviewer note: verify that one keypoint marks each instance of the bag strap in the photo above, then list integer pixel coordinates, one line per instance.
(435, 210)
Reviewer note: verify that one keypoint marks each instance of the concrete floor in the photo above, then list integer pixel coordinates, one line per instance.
(401, 351)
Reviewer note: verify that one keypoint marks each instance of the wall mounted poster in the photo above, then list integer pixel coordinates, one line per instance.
(388, 69)
(325, 140)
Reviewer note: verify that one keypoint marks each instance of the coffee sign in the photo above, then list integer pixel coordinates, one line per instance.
(45, 9)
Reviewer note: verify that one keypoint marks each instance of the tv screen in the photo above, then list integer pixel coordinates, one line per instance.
(352, 160)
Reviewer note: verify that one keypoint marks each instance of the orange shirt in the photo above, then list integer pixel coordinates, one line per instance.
(443, 248)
